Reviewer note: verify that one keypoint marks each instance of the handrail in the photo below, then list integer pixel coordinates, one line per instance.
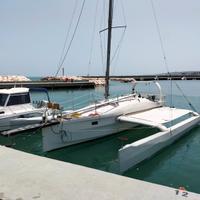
(100, 104)
(161, 99)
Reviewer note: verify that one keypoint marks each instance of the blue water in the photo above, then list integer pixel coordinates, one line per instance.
(177, 165)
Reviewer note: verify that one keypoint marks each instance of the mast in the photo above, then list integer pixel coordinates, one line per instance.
(107, 75)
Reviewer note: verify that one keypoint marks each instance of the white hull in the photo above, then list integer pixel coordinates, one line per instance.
(16, 121)
(70, 133)
(87, 127)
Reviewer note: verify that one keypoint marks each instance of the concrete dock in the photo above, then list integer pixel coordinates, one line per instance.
(49, 84)
(24, 176)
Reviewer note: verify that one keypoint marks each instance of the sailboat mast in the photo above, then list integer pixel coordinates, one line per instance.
(110, 18)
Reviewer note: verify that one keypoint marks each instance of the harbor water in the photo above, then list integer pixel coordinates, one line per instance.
(178, 165)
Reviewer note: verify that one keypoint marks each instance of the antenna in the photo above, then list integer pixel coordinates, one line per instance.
(63, 71)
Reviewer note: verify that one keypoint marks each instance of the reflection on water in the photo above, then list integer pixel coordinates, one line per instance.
(100, 154)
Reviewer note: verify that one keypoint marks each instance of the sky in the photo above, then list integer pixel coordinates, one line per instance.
(33, 32)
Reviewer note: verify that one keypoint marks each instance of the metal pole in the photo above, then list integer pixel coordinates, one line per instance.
(110, 16)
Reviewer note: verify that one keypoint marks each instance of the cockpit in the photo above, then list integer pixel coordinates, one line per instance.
(11, 98)
(17, 99)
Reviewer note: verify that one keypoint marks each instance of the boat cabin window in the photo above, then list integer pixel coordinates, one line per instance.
(17, 99)
(3, 98)
(95, 123)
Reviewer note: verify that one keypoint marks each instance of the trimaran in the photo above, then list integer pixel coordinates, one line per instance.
(102, 118)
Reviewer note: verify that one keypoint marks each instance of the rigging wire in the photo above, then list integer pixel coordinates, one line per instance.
(117, 50)
(73, 35)
(93, 34)
(103, 37)
(162, 49)
(123, 12)
(165, 60)
(160, 37)
(67, 35)
(102, 52)
(186, 98)
(118, 47)
(105, 24)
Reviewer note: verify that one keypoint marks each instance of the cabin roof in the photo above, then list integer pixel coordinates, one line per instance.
(14, 90)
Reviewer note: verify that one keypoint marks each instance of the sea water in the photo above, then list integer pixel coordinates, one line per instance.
(177, 165)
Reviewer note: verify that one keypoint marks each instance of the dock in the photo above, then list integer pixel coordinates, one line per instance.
(30, 127)
(49, 84)
(26, 177)
(129, 78)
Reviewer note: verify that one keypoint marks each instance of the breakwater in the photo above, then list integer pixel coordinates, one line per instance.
(49, 84)
(127, 78)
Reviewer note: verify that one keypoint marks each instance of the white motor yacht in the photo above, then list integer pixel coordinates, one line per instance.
(16, 109)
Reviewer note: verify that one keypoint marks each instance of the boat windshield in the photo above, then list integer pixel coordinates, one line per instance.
(17, 99)
(3, 98)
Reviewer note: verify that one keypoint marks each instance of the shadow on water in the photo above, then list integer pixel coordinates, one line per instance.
(99, 154)
(102, 153)
(30, 142)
